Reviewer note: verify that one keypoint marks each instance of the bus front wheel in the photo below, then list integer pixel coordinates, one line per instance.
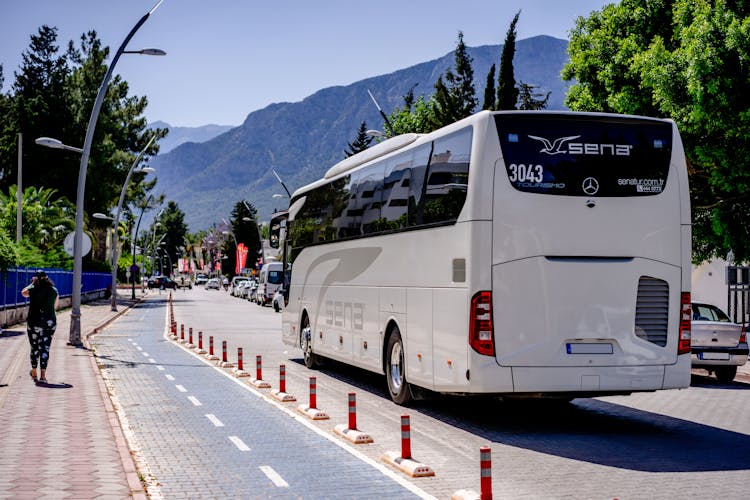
(395, 370)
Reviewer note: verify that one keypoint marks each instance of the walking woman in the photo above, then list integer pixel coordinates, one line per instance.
(41, 321)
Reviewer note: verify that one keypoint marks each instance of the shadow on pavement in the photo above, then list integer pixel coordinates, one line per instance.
(49, 385)
(588, 430)
(11, 333)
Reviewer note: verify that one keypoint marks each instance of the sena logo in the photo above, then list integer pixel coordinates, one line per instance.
(556, 147)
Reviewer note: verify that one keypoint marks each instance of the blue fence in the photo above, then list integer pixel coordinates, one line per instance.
(15, 279)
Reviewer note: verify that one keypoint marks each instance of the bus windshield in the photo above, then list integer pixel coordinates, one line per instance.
(575, 156)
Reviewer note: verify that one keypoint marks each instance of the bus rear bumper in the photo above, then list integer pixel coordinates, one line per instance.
(587, 381)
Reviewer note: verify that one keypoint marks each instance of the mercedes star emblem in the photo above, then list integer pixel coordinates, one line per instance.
(590, 186)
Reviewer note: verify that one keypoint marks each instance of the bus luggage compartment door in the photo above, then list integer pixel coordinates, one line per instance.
(560, 312)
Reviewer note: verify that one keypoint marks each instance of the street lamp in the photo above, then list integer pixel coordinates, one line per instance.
(75, 313)
(56, 144)
(115, 256)
(134, 236)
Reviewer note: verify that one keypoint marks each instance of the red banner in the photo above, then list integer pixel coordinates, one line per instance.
(241, 258)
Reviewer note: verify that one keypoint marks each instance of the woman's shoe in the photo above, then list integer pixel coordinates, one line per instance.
(32, 374)
(43, 378)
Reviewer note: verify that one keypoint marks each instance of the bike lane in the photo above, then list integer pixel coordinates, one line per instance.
(197, 432)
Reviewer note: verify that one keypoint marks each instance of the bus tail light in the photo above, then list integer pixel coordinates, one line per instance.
(480, 324)
(686, 316)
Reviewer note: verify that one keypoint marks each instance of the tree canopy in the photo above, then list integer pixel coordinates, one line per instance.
(688, 60)
(52, 96)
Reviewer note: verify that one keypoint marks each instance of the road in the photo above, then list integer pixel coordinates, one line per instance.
(670, 444)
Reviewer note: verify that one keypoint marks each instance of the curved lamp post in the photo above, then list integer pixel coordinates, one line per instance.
(133, 237)
(75, 313)
(115, 256)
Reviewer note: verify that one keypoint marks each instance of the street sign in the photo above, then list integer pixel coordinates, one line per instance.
(68, 244)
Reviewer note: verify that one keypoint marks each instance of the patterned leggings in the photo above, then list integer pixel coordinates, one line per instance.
(40, 340)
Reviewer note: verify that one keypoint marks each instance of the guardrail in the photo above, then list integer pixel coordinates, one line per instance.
(15, 279)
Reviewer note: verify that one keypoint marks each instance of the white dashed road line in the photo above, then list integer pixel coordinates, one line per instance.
(195, 401)
(161, 368)
(240, 444)
(151, 360)
(169, 377)
(214, 420)
(274, 476)
(180, 388)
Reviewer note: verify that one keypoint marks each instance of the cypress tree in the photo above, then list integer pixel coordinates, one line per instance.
(489, 90)
(360, 143)
(529, 98)
(456, 96)
(507, 93)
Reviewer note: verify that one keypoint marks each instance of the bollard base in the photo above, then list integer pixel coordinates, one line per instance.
(353, 435)
(260, 384)
(283, 397)
(182, 341)
(407, 465)
(212, 357)
(312, 413)
(189, 345)
(173, 337)
(240, 373)
(226, 364)
(201, 351)
(466, 495)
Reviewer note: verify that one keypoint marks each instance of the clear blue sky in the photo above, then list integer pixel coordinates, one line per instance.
(227, 58)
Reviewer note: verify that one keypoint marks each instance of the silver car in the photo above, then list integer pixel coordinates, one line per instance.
(717, 344)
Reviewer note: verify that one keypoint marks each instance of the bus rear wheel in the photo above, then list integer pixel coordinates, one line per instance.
(311, 360)
(395, 370)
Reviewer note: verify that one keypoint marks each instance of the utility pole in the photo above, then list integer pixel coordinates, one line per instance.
(19, 190)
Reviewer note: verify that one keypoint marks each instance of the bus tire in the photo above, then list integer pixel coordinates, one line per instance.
(312, 360)
(395, 369)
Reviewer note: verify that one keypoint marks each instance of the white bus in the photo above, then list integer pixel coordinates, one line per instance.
(521, 254)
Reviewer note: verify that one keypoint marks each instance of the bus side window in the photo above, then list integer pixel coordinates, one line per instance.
(448, 177)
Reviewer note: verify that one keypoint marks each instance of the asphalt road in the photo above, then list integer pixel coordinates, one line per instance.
(686, 443)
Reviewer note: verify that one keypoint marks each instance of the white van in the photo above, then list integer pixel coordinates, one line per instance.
(270, 280)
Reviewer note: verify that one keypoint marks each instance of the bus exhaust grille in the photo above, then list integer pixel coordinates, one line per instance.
(652, 310)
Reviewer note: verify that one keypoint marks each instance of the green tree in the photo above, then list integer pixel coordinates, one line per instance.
(507, 93)
(120, 131)
(455, 98)
(687, 60)
(489, 90)
(360, 143)
(38, 107)
(173, 229)
(53, 95)
(529, 98)
(244, 226)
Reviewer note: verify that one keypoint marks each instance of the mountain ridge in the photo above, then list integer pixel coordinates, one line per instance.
(301, 140)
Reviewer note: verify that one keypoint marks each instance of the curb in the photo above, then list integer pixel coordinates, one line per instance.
(137, 490)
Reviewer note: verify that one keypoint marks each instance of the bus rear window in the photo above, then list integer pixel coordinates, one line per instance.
(593, 156)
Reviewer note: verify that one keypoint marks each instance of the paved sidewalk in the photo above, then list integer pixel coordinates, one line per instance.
(62, 439)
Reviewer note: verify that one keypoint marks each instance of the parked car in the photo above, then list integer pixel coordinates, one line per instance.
(242, 289)
(201, 279)
(270, 279)
(717, 344)
(161, 282)
(184, 282)
(234, 285)
(213, 283)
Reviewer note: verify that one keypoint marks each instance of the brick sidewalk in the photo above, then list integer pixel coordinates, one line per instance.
(61, 439)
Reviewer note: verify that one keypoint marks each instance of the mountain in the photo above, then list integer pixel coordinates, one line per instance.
(301, 140)
(181, 135)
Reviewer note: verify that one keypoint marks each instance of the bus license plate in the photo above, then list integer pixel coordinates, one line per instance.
(577, 348)
(715, 356)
